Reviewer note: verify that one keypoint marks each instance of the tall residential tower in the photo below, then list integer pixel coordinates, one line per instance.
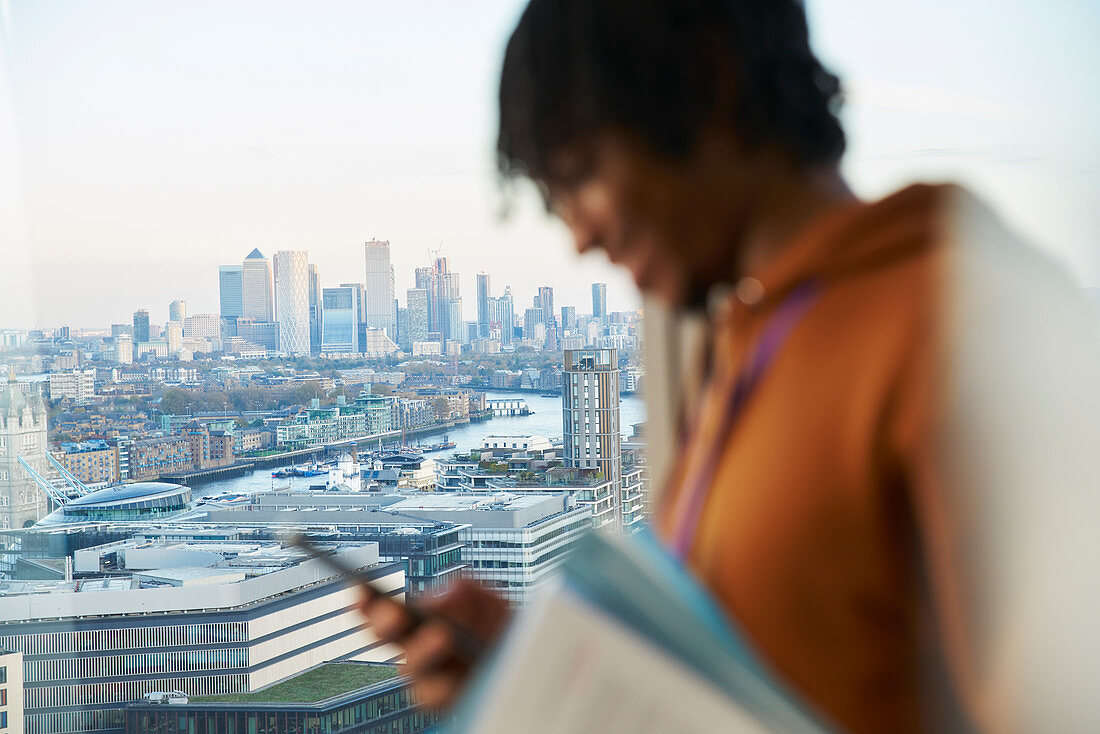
(590, 422)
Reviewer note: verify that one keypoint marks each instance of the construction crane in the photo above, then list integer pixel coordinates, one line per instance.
(59, 498)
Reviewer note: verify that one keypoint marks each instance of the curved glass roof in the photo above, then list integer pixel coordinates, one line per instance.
(139, 490)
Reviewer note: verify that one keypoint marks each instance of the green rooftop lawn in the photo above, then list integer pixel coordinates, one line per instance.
(314, 685)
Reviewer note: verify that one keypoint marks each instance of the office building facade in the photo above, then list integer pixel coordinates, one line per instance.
(11, 692)
(387, 707)
(177, 310)
(340, 309)
(379, 285)
(599, 301)
(141, 326)
(292, 301)
(256, 288)
(230, 291)
(91, 647)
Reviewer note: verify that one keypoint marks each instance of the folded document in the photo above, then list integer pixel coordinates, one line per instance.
(626, 641)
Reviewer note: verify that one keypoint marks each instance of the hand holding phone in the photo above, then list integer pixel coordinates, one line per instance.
(403, 622)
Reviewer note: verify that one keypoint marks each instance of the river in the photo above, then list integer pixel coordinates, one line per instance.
(544, 420)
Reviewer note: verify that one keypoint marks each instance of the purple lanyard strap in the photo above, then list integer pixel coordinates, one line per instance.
(775, 334)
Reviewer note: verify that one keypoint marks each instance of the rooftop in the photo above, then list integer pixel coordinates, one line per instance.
(314, 685)
(118, 493)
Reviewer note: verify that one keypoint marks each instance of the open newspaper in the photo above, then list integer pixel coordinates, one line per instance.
(626, 641)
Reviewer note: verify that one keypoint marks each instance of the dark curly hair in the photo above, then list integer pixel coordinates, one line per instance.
(659, 71)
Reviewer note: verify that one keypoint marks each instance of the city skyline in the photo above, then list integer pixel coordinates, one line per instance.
(172, 164)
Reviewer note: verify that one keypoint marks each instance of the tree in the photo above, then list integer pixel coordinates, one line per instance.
(176, 401)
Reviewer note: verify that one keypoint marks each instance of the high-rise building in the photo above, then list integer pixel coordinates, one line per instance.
(22, 435)
(340, 320)
(292, 301)
(379, 286)
(532, 319)
(202, 326)
(124, 349)
(173, 335)
(568, 317)
(315, 310)
(507, 317)
(177, 310)
(256, 287)
(590, 416)
(599, 301)
(231, 291)
(546, 303)
(141, 326)
(416, 301)
(483, 319)
(456, 327)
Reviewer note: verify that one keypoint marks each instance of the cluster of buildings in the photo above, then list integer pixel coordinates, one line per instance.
(201, 617)
(123, 593)
(278, 306)
(379, 416)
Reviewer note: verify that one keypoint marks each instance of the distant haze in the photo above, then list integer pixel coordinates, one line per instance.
(144, 144)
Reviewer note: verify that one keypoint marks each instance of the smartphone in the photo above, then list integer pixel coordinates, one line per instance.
(467, 647)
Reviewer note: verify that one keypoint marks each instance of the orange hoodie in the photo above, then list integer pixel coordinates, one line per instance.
(813, 534)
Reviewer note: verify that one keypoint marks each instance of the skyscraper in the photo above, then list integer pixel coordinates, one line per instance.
(256, 288)
(599, 301)
(124, 349)
(177, 311)
(340, 320)
(483, 305)
(292, 301)
(590, 415)
(173, 336)
(314, 310)
(141, 326)
(546, 303)
(456, 327)
(231, 291)
(568, 317)
(532, 319)
(379, 287)
(416, 301)
(507, 317)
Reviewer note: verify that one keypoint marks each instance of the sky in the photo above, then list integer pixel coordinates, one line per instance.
(142, 144)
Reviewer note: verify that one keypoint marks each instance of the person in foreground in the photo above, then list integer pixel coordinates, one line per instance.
(850, 483)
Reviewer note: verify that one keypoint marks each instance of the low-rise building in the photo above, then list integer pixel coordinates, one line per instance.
(11, 692)
(77, 386)
(513, 541)
(338, 698)
(247, 440)
(205, 619)
(151, 457)
(92, 462)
